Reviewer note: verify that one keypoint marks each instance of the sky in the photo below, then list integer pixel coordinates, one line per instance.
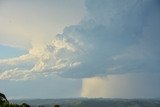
(80, 48)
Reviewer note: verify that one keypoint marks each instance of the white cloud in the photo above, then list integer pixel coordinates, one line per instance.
(53, 57)
(27, 25)
(16, 74)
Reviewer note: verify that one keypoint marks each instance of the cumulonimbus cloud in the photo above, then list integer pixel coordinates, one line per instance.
(116, 36)
(122, 36)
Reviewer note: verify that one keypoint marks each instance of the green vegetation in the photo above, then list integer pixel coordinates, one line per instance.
(82, 102)
(5, 103)
(56, 105)
(98, 102)
(13, 105)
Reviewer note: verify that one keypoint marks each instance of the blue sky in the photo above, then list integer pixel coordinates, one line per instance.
(85, 48)
(10, 52)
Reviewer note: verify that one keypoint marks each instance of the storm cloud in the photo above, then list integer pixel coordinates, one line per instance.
(115, 37)
(120, 36)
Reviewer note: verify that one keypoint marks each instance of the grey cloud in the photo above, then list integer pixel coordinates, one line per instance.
(120, 36)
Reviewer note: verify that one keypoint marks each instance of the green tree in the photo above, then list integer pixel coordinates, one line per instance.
(56, 105)
(3, 98)
(25, 105)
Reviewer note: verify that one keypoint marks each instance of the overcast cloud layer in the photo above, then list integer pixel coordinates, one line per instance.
(115, 37)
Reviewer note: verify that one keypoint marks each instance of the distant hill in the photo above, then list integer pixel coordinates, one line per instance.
(98, 102)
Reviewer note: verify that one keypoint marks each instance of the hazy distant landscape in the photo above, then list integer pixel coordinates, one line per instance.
(84, 102)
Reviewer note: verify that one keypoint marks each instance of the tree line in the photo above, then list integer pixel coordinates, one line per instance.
(5, 103)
